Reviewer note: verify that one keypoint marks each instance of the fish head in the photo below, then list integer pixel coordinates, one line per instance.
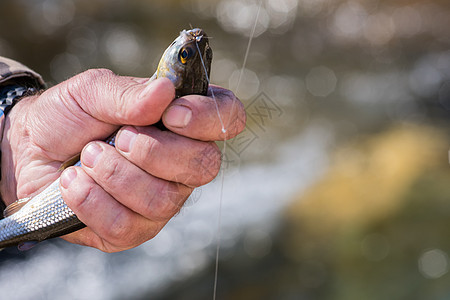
(187, 63)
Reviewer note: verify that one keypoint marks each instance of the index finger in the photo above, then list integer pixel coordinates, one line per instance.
(215, 117)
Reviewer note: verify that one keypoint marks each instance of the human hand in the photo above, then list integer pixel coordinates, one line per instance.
(126, 196)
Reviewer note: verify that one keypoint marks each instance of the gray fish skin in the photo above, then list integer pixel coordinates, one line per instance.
(46, 215)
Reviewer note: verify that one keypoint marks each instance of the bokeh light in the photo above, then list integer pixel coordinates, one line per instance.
(124, 49)
(321, 81)
(433, 263)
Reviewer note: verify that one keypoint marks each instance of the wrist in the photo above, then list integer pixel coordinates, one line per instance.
(9, 96)
(16, 82)
(15, 150)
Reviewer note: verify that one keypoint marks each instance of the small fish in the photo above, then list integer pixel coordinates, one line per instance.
(187, 63)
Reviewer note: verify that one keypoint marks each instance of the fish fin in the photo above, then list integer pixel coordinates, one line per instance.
(70, 162)
(15, 207)
(25, 246)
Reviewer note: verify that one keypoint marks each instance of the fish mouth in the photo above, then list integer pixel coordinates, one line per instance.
(196, 34)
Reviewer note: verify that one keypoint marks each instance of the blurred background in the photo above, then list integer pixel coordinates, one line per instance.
(339, 188)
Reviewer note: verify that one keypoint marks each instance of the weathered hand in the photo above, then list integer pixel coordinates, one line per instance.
(126, 196)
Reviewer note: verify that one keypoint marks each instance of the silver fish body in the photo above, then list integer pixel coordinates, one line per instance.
(45, 216)
(186, 62)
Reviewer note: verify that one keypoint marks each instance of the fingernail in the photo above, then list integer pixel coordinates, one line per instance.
(90, 155)
(67, 177)
(126, 138)
(178, 116)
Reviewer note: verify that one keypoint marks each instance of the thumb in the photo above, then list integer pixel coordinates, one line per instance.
(120, 100)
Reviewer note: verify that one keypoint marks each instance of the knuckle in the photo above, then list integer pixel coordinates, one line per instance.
(93, 75)
(86, 83)
(90, 78)
(98, 83)
(80, 194)
(110, 172)
(177, 195)
(215, 158)
(147, 150)
(120, 231)
(163, 204)
(207, 163)
(81, 201)
(124, 236)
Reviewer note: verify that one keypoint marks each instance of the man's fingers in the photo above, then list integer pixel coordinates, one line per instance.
(119, 100)
(99, 211)
(203, 118)
(153, 198)
(169, 156)
(111, 225)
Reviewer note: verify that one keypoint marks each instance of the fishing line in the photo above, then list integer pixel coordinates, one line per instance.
(219, 223)
(222, 171)
(222, 178)
(212, 92)
(252, 34)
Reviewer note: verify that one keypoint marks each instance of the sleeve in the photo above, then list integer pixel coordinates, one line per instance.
(13, 71)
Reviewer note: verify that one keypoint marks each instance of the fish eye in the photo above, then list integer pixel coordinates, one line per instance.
(185, 54)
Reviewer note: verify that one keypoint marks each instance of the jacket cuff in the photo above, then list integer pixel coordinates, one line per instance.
(14, 71)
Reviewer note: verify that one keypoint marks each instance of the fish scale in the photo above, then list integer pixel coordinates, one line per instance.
(46, 215)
